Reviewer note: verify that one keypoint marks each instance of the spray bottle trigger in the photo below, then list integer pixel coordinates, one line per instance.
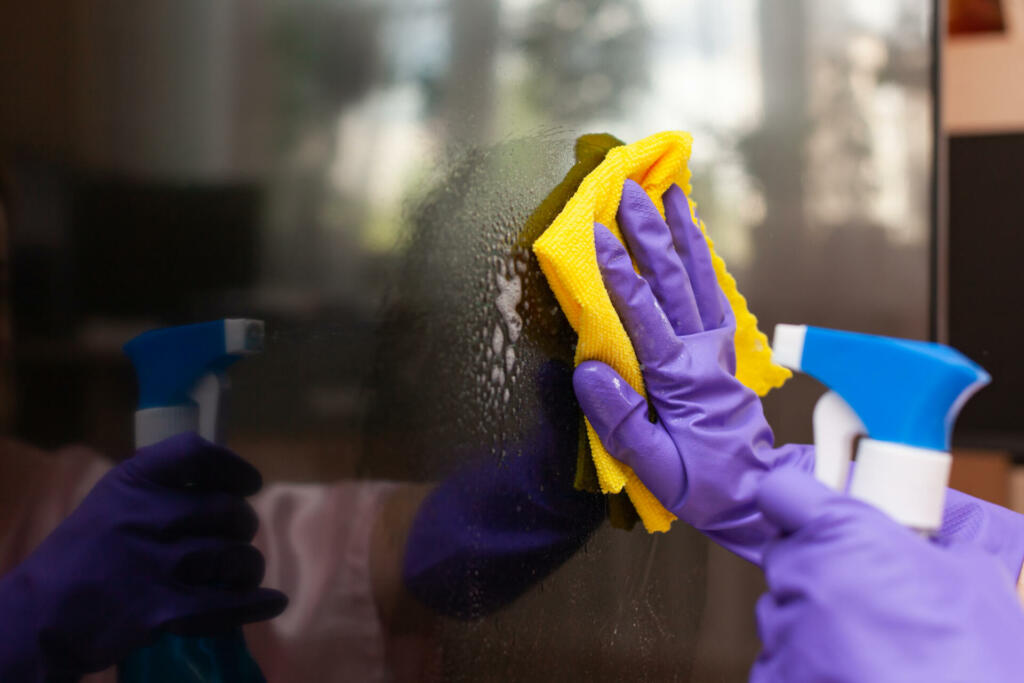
(836, 427)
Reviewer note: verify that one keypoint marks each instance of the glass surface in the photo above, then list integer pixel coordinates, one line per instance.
(358, 173)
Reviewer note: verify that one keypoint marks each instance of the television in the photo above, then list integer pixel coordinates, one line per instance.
(981, 282)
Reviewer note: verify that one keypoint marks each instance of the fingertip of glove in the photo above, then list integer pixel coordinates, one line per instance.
(251, 482)
(607, 245)
(603, 238)
(675, 193)
(589, 366)
(275, 601)
(634, 197)
(633, 187)
(589, 375)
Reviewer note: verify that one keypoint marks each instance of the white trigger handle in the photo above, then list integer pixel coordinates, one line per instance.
(836, 427)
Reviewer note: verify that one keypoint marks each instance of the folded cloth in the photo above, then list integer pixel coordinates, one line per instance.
(568, 259)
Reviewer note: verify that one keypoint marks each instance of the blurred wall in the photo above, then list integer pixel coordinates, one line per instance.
(160, 89)
(982, 78)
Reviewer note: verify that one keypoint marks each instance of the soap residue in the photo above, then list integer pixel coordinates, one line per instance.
(510, 288)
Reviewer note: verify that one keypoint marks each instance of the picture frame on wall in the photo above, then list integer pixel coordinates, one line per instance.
(969, 17)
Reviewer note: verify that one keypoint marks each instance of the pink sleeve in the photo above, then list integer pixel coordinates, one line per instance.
(39, 489)
(316, 539)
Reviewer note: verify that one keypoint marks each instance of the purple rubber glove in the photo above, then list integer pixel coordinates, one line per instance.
(162, 541)
(496, 527)
(706, 453)
(970, 521)
(854, 596)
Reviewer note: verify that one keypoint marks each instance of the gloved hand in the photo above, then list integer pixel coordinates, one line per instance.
(707, 450)
(972, 522)
(854, 596)
(495, 527)
(162, 541)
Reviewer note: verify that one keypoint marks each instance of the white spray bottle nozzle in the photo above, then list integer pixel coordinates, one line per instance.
(788, 345)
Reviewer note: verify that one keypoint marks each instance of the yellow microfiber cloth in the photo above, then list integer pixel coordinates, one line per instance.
(567, 257)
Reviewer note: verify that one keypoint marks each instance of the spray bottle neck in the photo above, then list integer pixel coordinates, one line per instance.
(906, 482)
(156, 424)
(202, 414)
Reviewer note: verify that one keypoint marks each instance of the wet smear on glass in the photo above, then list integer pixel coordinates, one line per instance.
(462, 376)
(470, 321)
(502, 302)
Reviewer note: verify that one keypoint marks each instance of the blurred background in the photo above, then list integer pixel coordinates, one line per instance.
(355, 173)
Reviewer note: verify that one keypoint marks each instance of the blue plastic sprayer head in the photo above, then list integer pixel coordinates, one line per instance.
(902, 395)
(180, 374)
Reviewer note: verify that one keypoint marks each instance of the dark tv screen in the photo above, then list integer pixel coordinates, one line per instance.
(985, 266)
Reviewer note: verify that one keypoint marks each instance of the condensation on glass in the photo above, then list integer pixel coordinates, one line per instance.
(358, 173)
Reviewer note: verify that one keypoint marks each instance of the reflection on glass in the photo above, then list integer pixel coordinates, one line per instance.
(358, 173)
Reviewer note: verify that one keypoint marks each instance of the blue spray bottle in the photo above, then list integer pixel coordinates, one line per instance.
(182, 381)
(903, 396)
